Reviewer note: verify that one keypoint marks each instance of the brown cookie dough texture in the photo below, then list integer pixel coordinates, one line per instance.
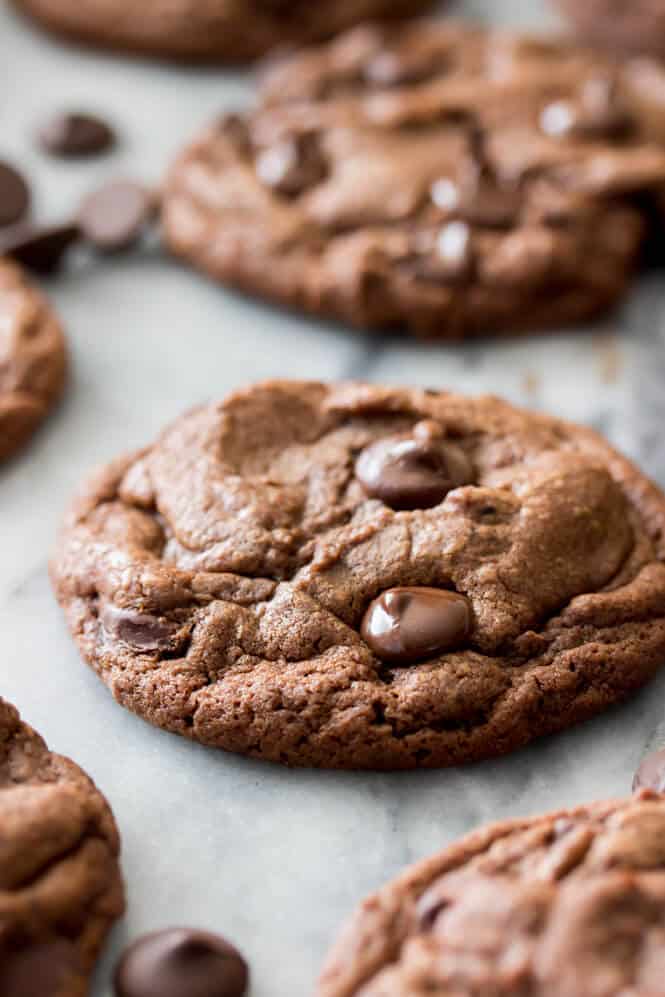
(60, 884)
(32, 358)
(439, 177)
(571, 904)
(637, 26)
(218, 580)
(209, 30)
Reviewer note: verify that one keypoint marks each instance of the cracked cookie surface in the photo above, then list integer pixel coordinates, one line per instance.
(32, 358)
(209, 30)
(570, 904)
(232, 582)
(60, 883)
(441, 178)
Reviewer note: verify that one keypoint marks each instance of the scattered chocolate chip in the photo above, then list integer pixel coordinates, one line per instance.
(415, 471)
(115, 216)
(651, 772)
(39, 248)
(70, 135)
(481, 200)
(181, 962)
(405, 625)
(141, 631)
(14, 195)
(292, 165)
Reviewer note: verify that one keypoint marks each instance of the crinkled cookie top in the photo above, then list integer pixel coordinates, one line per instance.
(367, 577)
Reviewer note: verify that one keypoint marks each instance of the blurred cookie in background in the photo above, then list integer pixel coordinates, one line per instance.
(32, 358)
(209, 30)
(635, 26)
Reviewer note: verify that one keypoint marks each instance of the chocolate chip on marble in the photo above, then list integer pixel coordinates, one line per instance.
(41, 249)
(405, 625)
(181, 962)
(14, 195)
(292, 165)
(651, 772)
(414, 471)
(115, 216)
(142, 631)
(73, 134)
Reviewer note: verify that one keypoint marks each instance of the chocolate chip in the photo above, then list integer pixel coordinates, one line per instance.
(651, 773)
(41, 249)
(393, 68)
(142, 631)
(414, 471)
(293, 165)
(405, 625)
(14, 195)
(70, 135)
(115, 216)
(480, 200)
(596, 114)
(181, 962)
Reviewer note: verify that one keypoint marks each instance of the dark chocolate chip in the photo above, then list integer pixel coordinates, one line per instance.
(141, 631)
(181, 962)
(651, 773)
(596, 114)
(292, 165)
(415, 471)
(14, 195)
(115, 216)
(39, 248)
(480, 200)
(70, 135)
(393, 68)
(405, 625)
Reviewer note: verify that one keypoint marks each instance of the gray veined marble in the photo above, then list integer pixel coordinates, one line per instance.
(273, 858)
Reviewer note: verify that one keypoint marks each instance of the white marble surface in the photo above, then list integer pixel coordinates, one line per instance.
(273, 858)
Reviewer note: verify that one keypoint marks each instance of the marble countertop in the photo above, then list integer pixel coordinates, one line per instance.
(272, 858)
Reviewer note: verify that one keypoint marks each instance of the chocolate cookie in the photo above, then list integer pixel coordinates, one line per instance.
(209, 30)
(279, 576)
(570, 904)
(638, 26)
(32, 358)
(60, 884)
(443, 178)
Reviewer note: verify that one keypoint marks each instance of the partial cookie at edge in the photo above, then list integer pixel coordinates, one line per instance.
(60, 883)
(32, 358)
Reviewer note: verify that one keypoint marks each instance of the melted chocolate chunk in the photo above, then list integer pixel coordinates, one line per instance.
(71, 135)
(292, 166)
(413, 472)
(14, 195)
(141, 631)
(405, 625)
(480, 200)
(651, 772)
(181, 962)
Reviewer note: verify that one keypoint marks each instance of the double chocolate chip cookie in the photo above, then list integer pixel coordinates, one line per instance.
(60, 884)
(363, 577)
(228, 30)
(571, 904)
(32, 358)
(637, 26)
(444, 178)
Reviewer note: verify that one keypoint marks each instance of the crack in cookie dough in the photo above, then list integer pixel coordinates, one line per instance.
(443, 178)
(32, 359)
(60, 884)
(209, 30)
(218, 580)
(568, 904)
